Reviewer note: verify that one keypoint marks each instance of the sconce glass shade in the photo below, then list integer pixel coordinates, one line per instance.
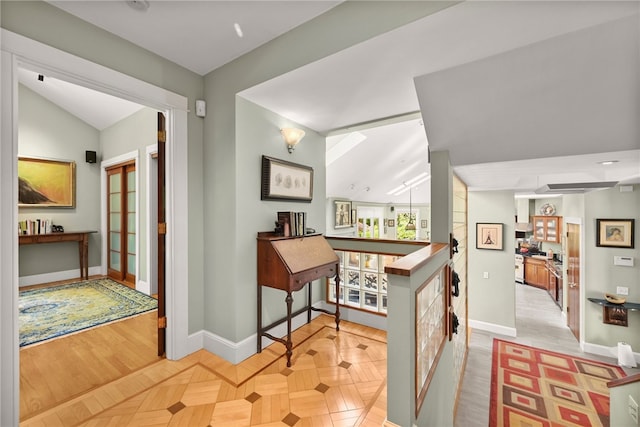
(292, 137)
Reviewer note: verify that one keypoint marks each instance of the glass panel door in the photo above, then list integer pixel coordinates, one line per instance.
(122, 222)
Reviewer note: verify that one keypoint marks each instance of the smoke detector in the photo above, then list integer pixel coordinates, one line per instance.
(139, 5)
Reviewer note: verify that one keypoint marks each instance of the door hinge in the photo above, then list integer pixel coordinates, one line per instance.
(162, 136)
(162, 228)
(162, 322)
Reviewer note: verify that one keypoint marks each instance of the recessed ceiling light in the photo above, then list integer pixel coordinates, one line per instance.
(140, 5)
(608, 162)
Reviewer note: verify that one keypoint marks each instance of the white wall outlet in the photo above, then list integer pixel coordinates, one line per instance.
(622, 290)
(485, 275)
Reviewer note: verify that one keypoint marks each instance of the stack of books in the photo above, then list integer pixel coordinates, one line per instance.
(34, 226)
(292, 224)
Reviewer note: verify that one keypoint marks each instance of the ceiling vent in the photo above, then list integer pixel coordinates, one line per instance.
(578, 187)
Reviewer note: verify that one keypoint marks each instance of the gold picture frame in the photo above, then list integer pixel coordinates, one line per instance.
(46, 183)
(615, 233)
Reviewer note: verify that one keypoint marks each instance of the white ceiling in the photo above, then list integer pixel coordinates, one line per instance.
(475, 72)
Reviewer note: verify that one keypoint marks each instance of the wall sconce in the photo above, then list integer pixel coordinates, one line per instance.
(291, 137)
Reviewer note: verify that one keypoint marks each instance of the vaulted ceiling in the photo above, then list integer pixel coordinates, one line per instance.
(511, 89)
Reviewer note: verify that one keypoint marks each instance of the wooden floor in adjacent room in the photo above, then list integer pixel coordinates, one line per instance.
(336, 379)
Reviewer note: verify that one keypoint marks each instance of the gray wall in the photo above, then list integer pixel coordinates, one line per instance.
(492, 300)
(45, 130)
(601, 275)
(134, 133)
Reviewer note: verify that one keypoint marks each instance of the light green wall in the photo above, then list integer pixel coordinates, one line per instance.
(49, 25)
(601, 275)
(46, 130)
(134, 133)
(492, 300)
(227, 253)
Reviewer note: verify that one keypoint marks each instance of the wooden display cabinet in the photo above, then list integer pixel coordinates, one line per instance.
(547, 228)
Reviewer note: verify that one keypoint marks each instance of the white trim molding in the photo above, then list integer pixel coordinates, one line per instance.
(492, 327)
(604, 351)
(20, 51)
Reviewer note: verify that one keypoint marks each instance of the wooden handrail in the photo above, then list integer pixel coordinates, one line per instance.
(623, 381)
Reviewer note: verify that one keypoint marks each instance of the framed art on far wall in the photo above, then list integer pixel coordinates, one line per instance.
(615, 233)
(282, 180)
(489, 236)
(342, 209)
(46, 183)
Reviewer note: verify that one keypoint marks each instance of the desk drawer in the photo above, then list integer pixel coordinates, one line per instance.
(299, 280)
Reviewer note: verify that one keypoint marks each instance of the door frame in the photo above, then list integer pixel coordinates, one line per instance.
(17, 50)
(580, 222)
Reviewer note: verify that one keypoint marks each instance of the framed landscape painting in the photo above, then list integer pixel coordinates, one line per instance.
(46, 183)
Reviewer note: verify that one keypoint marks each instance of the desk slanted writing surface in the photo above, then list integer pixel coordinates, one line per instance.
(288, 264)
(82, 237)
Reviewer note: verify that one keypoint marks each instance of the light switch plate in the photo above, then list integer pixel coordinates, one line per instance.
(624, 261)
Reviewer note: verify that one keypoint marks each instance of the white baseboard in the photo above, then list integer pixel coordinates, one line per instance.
(144, 287)
(603, 350)
(492, 327)
(56, 276)
(237, 352)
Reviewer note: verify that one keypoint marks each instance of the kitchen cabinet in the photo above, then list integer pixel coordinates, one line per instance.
(547, 228)
(536, 272)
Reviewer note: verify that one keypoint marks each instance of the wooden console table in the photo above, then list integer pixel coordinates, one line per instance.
(288, 264)
(82, 237)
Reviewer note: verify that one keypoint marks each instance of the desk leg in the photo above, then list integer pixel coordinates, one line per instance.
(83, 247)
(337, 313)
(259, 318)
(289, 344)
(309, 302)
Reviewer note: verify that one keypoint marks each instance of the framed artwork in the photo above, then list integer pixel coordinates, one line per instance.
(342, 210)
(489, 236)
(46, 183)
(423, 223)
(615, 233)
(283, 180)
(391, 222)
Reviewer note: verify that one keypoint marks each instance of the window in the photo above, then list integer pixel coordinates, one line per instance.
(402, 219)
(369, 220)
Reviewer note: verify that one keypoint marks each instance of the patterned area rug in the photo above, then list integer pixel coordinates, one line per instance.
(59, 310)
(534, 387)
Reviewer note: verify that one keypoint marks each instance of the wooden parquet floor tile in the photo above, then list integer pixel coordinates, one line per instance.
(337, 378)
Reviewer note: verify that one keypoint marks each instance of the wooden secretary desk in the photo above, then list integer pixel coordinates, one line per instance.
(288, 264)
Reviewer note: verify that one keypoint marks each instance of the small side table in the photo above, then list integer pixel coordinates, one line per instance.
(615, 314)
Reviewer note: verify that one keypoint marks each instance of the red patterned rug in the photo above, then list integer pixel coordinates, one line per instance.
(534, 387)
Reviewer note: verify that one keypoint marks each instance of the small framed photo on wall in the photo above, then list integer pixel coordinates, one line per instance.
(615, 233)
(489, 236)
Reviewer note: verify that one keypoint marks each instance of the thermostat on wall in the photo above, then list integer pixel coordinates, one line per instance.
(625, 261)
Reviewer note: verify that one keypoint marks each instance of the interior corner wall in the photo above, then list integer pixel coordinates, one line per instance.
(601, 275)
(258, 134)
(47, 131)
(134, 133)
(492, 300)
(224, 236)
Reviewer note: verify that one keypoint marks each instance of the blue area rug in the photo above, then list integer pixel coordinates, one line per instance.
(60, 310)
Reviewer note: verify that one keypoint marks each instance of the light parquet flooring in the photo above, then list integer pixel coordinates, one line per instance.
(337, 378)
